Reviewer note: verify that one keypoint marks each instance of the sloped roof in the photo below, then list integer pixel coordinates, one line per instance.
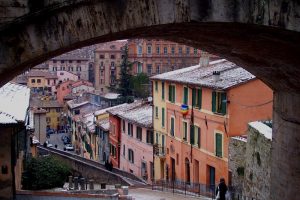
(14, 103)
(230, 75)
(103, 124)
(74, 104)
(39, 103)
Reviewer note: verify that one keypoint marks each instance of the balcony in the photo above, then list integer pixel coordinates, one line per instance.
(102, 67)
(159, 151)
(112, 67)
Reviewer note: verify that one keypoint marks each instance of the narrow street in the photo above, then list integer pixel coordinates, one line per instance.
(148, 194)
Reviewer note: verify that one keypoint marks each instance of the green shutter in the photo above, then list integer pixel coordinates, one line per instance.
(213, 101)
(194, 97)
(192, 134)
(185, 95)
(172, 126)
(162, 90)
(170, 93)
(199, 98)
(163, 117)
(224, 103)
(156, 86)
(218, 145)
(173, 93)
(199, 137)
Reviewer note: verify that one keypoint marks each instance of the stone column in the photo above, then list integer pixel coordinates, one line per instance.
(82, 184)
(285, 153)
(70, 182)
(75, 183)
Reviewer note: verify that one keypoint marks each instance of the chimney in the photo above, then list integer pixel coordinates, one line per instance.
(216, 76)
(204, 59)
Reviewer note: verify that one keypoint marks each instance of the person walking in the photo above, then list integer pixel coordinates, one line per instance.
(221, 190)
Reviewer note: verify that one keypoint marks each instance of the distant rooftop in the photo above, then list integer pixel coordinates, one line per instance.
(111, 95)
(75, 104)
(103, 124)
(36, 73)
(230, 75)
(14, 102)
(44, 102)
(262, 128)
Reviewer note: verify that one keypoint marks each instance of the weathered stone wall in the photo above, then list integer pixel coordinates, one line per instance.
(258, 165)
(236, 163)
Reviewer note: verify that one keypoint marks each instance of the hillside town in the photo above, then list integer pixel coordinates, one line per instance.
(187, 113)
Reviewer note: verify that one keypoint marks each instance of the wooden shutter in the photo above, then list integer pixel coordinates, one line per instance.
(172, 126)
(218, 145)
(163, 117)
(213, 106)
(224, 103)
(163, 90)
(192, 134)
(194, 97)
(199, 98)
(199, 137)
(170, 93)
(185, 96)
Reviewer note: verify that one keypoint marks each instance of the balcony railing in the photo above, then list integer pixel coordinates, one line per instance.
(159, 151)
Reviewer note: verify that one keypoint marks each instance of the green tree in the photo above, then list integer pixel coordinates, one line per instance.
(124, 86)
(140, 84)
(44, 173)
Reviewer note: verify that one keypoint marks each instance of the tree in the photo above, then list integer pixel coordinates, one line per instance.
(44, 173)
(140, 84)
(124, 86)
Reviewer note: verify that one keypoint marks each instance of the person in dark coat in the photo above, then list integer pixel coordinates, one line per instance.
(222, 187)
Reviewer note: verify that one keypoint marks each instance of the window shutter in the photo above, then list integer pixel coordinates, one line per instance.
(199, 137)
(163, 90)
(172, 126)
(218, 145)
(224, 103)
(170, 93)
(194, 97)
(192, 134)
(213, 101)
(186, 92)
(163, 117)
(199, 98)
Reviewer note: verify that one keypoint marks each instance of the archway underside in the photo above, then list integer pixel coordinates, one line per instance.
(269, 53)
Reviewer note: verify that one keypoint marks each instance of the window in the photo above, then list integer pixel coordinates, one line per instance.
(130, 129)
(219, 102)
(156, 138)
(38, 81)
(101, 72)
(162, 90)
(219, 145)
(163, 117)
(184, 130)
(156, 112)
(149, 69)
(188, 50)
(58, 110)
(180, 50)
(112, 56)
(195, 51)
(101, 56)
(123, 125)
(101, 63)
(172, 93)
(197, 136)
(172, 126)
(78, 61)
(157, 69)
(185, 95)
(165, 50)
(70, 61)
(139, 67)
(101, 81)
(139, 132)
(197, 97)
(113, 150)
(149, 49)
(48, 119)
(124, 151)
(140, 50)
(149, 138)
(131, 155)
(112, 64)
(156, 86)
(157, 50)
(32, 80)
(173, 50)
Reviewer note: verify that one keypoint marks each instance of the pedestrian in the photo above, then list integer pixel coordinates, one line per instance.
(221, 190)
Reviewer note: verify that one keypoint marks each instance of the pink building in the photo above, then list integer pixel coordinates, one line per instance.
(137, 141)
(63, 89)
(66, 76)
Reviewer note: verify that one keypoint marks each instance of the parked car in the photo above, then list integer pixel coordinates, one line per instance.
(61, 131)
(69, 147)
(66, 140)
(48, 144)
(50, 131)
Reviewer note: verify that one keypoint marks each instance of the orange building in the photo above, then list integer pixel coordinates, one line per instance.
(196, 110)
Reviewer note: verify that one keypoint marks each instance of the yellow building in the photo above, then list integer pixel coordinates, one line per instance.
(159, 126)
(54, 118)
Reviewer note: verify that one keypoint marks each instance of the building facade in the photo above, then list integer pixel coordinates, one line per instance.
(137, 141)
(196, 110)
(108, 58)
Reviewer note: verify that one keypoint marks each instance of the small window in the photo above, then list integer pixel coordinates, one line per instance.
(219, 102)
(165, 50)
(157, 50)
(123, 125)
(139, 132)
(187, 50)
(156, 112)
(78, 61)
(112, 56)
(38, 80)
(149, 49)
(157, 69)
(130, 129)
(172, 93)
(195, 51)
(156, 86)
(162, 90)
(140, 50)
(131, 155)
(197, 98)
(185, 95)
(172, 126)
(124, 151)
(173, 50)
(180, 50)
(163, 117)
(101, 56)
(219, 145)
(149, 69)
(32, 80)
(139, 67)
(149, 138)
(184, 130)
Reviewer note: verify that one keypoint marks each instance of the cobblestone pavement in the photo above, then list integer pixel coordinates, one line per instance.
(148, 194)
